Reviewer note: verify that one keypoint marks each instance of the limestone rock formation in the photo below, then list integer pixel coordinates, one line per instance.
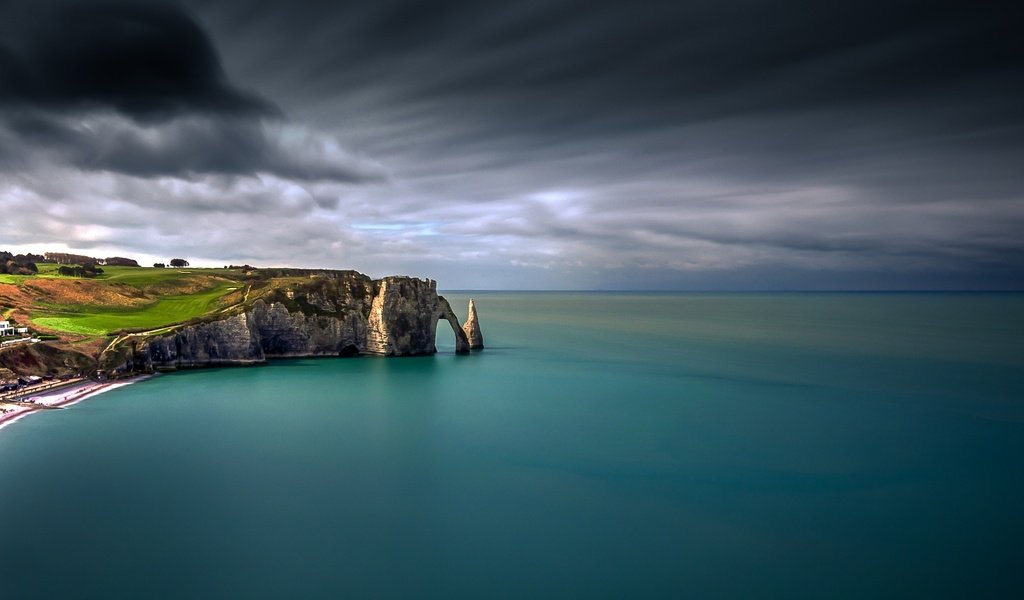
(472, 328)
(328, 314)
(404, 315)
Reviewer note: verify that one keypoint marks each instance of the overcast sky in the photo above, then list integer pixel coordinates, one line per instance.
(544, 144)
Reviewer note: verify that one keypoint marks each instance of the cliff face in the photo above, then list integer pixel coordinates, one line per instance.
(230, 340)
(41, 359)
(332, 314)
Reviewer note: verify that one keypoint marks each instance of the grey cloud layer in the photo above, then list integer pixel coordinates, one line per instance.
(186, 147)
(546, 141)
(874, 135)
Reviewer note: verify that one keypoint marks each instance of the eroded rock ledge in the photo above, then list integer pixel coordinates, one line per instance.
(331, 313)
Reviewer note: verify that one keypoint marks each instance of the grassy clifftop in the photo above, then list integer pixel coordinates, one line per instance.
(80, 317)
(133, 299)
(84, 319)
(120, 298)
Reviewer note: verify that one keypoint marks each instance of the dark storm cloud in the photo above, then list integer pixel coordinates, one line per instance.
(146, 60)
(137, 88)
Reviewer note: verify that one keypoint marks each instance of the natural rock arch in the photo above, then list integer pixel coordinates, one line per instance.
(446, 313)
(404, 315)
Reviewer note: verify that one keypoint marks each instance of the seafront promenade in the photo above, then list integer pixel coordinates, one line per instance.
(28, 391)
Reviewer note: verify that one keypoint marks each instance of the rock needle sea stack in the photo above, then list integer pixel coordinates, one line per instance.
(472, 328)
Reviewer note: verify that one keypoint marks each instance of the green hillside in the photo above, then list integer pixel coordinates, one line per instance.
(119, 299)
(93, 320)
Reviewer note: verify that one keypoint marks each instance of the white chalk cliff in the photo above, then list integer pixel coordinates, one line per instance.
(331, 313)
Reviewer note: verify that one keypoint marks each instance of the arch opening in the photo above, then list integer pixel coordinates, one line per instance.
(444, 337)
(445, 313)
(456, 342)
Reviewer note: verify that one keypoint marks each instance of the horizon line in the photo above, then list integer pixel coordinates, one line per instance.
(749, 291)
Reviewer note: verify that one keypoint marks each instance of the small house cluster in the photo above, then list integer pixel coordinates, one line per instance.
(12, 335)
(22, 382)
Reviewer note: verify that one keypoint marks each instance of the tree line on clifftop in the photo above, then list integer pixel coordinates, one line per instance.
(72, 265)
(80, 265)
(63, 258)
(18, 264)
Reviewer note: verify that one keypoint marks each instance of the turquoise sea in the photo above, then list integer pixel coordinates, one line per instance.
(603, 446)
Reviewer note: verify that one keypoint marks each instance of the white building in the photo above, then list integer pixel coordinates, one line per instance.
(7, 330)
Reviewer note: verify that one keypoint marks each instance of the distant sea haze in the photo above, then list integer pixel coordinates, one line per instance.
(603, 445)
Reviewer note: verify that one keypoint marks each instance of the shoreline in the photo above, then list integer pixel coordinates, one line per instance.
(61, 397)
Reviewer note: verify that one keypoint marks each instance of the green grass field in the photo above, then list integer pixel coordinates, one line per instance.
(145, 276)
(165, 311)
(134, 276)
(169, 309)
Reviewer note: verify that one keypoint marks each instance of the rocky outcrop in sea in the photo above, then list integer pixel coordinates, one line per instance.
(472, 328)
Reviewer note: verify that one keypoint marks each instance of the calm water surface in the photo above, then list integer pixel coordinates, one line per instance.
(604, 445)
